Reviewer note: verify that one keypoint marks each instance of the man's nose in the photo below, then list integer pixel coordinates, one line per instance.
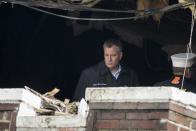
(110, 58)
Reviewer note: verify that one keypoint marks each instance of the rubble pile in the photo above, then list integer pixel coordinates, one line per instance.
(53, 106)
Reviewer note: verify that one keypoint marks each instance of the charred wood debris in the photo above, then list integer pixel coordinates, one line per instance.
(53, 106)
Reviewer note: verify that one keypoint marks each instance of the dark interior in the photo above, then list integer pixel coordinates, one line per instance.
(43, 52)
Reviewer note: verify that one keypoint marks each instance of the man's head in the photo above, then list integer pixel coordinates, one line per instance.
(112, 53)
(181, 61)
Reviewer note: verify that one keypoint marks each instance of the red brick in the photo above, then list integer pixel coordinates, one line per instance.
(107, 124)
(125, 105)
(182, 110)
(4, 125)
(147, 115)
(9, 115)
(171, 127)
(98, 114)
(164, 105)
(190, 113)
(178, 118)
(193, 124)
(172, 116)
(146, 124)
(158, 115)
(13, 121)
(177, 108)
(125, 124)
(182, 120)
(6, 107)
(154, 105)
(102, 105)
(112, 115)
(137, 115)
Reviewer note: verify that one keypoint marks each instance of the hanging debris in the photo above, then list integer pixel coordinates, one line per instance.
(191, 7)
(150, 5)
(52, 106)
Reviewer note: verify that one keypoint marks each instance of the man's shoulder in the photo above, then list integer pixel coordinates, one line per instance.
(92, 68)
(87, 70)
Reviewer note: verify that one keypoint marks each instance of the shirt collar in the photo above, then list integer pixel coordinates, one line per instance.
(117, 72)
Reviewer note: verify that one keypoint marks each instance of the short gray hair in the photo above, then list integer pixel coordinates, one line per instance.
(113, 42)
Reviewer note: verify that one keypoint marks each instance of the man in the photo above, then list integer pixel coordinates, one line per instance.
(182, 65)
(107, 73)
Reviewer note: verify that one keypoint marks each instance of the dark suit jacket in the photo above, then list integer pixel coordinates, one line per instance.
(100, 76)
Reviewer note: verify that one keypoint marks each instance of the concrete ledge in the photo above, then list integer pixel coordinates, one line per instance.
(140, 94)
(26, 100)
(50, 121)
(18, 95)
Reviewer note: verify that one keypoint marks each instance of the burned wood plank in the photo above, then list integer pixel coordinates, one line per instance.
(51, 104)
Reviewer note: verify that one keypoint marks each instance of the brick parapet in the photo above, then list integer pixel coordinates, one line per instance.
(8, 114)
(146, 115)
(17, 113)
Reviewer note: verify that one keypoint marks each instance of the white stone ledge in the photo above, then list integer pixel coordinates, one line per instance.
(27, 101)
(73, 121)
(140, 94)
(50, 129)
(18, 95)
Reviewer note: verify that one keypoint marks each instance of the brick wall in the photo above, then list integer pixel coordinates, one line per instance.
(17, 113)
(115, 109)
(8, 114)
(171, 117)
(157, 109)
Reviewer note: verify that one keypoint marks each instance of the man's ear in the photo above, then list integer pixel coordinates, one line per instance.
(121, 55)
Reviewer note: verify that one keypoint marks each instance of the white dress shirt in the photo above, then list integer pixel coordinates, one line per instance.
(116, 73)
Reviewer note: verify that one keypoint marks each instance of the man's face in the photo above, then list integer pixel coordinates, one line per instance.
(112, 57)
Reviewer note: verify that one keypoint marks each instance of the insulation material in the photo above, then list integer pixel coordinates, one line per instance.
(152, 4)
(82, 1)
(191, 7)
(87, 1)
